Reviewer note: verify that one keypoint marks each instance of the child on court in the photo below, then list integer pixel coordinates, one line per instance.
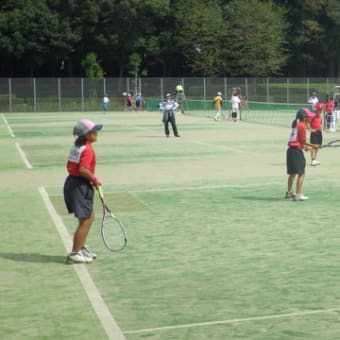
(315, 125)
(235, 104)
(218, 105)
(106, 102)
(296, 162)
(78, 187)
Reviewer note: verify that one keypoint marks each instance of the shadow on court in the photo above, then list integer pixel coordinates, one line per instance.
(259, 198)
(33, 257)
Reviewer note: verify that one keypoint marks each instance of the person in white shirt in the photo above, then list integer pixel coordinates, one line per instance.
(106, 102)
(168, 106)
(313, 100)
(235, 104)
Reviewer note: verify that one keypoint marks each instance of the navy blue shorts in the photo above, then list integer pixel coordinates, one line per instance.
(316, 137)
(296, 162)
(78, 196)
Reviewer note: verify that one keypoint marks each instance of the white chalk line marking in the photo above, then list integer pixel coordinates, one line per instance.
(109, 324)
(23, 156)
(8, 126)
(221, 322)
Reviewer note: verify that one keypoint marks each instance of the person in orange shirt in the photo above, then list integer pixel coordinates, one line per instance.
(296, 162)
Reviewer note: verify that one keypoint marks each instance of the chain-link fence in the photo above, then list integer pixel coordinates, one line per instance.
(85, 94)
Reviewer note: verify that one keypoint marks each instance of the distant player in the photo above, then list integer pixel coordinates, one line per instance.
(330, 114)
(313, 100)
(106, 102)
(138, 101)
(235, 104)
(168, 107)
(315, 125)
(218, 105)
(129, 102)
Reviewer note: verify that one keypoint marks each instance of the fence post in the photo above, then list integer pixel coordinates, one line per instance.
(225, 88)
(59, 94)
(287, 90)
(34, 96)
(307, 89)
(10, 106)
(82, 94)
(267, 86)
(204, 91)
(327, 86)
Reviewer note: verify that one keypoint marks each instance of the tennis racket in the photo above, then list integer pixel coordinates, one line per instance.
(112, 229)
(332, 144)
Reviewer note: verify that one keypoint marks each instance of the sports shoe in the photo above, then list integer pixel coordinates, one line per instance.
(315, 162)
(85, 250)
(77, 257)
(301, 197)
(290, 195)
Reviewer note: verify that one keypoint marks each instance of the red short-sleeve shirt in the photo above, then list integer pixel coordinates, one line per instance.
(81, 156)
(298, 136)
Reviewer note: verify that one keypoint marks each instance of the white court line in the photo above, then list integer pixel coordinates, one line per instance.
(221, 146)
(109, 324)
(23, 156)
(203, 187)
(7, 125)
(221, 322)
(191, 188)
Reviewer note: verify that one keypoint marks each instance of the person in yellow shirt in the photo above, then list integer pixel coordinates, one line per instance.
(180, 97)
(218, 106)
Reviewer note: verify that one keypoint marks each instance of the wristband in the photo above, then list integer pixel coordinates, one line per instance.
(94, 180)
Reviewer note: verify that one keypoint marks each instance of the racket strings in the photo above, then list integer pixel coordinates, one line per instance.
(113, 233)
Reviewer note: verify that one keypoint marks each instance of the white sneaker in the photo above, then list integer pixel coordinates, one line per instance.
(290, 195)
(301, 197)
(315, 162)
(85, 250)
(77, 257)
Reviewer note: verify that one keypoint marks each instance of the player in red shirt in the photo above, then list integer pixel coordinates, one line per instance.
(330, 118)
(78, 187)
(315, 126)
(296, 162)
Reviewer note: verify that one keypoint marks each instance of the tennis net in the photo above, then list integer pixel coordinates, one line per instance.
(280, 114)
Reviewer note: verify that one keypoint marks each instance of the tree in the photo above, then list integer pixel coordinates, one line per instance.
(92, 67)
(256, 37)
(308, 38)
(31, 32)
(199, 35)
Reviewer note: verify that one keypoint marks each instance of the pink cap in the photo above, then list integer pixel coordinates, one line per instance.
(309, 113)
(84, 126)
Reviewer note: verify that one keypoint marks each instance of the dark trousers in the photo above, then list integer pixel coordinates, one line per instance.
(171, 119)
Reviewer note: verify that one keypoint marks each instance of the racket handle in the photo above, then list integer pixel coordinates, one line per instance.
(100, 191)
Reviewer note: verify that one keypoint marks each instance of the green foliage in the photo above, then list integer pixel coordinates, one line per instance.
(200, 36)
(91, 66)
(256, 39)
(171, 38)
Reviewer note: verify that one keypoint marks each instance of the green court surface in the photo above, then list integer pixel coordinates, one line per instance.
(214, 250)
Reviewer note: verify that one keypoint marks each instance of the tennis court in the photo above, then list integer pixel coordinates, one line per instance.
(214, 250)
